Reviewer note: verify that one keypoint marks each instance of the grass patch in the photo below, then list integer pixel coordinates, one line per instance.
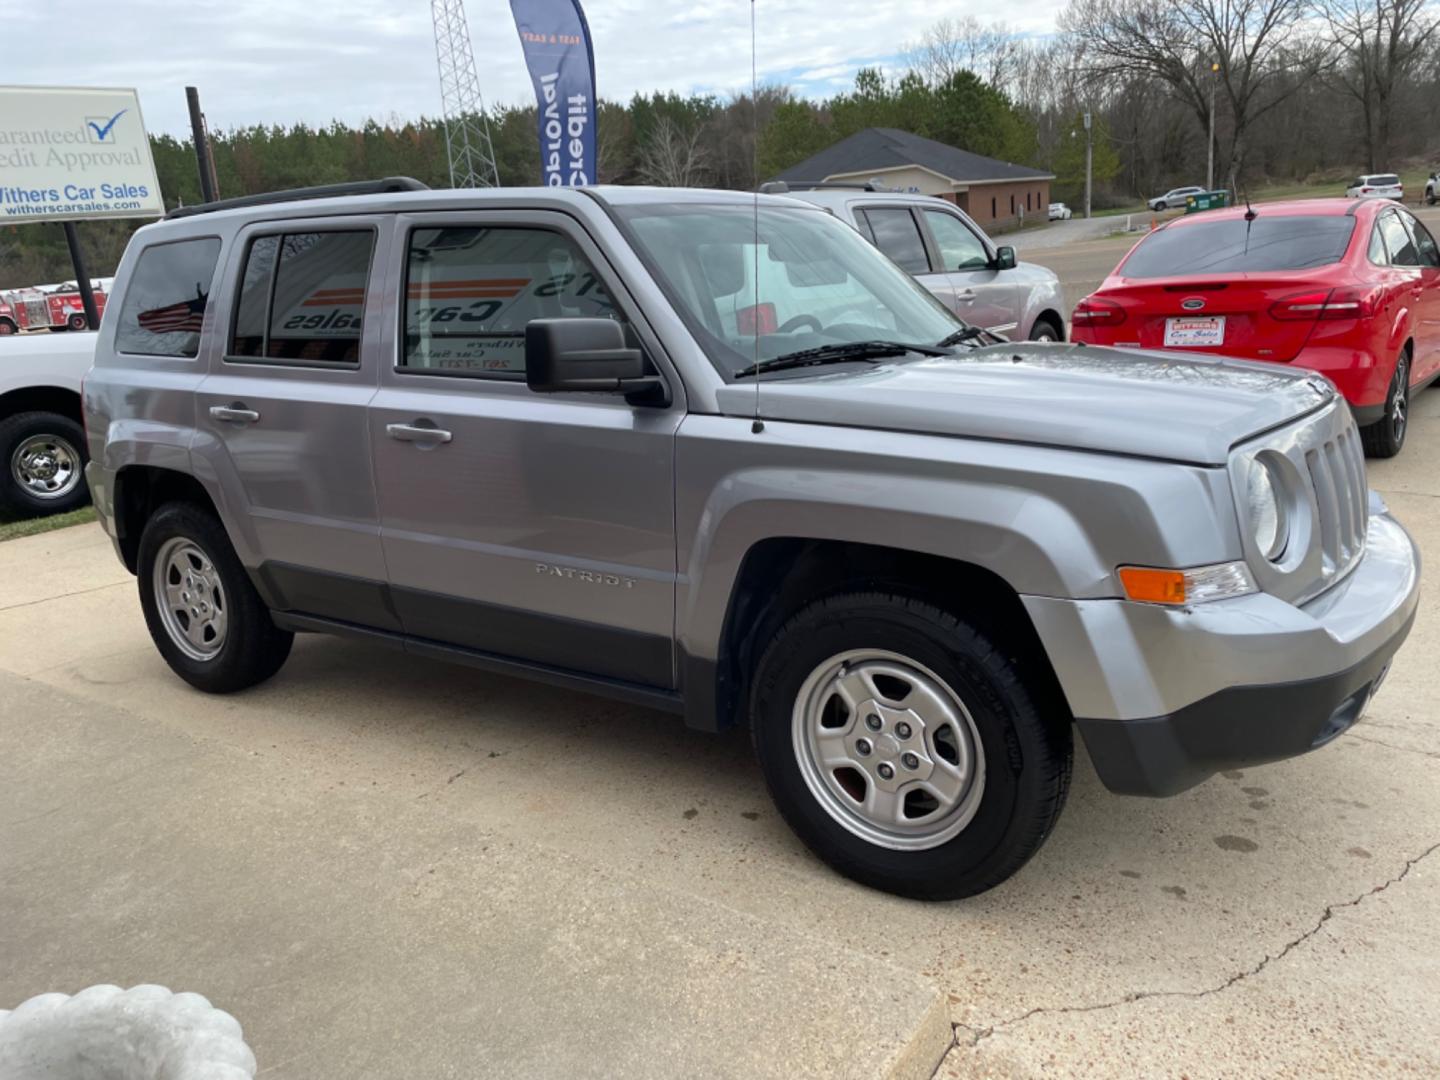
(13, 530)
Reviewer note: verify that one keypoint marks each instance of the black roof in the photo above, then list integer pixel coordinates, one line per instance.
(888, 148)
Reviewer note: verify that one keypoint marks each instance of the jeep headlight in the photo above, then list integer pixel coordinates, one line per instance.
(1269, 522)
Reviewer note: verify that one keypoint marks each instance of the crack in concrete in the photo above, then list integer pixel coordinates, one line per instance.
(66, 595)
(976, 1035)
(1392, 746)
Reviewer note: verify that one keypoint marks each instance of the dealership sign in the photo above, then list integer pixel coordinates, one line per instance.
(70, 153)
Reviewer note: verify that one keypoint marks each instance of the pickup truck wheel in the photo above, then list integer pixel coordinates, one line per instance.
(204, 614)
(44, 458)
(1386, 437)
(904, 747)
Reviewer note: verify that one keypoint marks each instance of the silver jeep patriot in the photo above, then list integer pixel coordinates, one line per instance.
(715, 453)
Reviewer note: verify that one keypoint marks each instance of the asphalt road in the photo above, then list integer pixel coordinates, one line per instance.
(388, 867)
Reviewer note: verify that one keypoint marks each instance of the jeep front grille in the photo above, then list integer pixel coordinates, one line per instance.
(1337, 471)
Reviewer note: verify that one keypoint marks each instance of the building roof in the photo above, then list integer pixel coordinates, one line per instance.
(891, 148)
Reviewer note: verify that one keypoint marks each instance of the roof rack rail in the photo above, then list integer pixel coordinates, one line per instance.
(325, 191)
(780, 187)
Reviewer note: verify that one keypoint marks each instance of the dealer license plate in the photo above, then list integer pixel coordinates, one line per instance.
(1193, 332)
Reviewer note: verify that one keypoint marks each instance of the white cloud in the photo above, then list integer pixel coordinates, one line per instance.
(285, 61)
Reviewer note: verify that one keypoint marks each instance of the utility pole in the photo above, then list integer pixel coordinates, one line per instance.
(1089, 148)
(1210, 146)
(203, 160)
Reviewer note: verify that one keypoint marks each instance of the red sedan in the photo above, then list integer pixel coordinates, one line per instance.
(1350, 289)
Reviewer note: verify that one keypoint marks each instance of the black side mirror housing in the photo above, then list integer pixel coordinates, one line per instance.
(590, 355)
(1004, 258)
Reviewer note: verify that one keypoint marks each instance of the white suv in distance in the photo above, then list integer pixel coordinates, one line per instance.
(942, 248)
(1377, 186)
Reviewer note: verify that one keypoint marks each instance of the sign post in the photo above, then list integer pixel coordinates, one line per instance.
(68, 154)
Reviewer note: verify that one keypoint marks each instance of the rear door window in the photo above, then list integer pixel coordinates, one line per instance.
(302, 298)
(166, 298)
(1402, 248)
(898, 236)
(1235, 246)
(1424, 242)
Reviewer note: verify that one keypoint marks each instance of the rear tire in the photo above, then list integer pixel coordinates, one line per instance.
(78, 322)
(1386, 437)
(978, 767)
(43, 458)
(6, 327)
(204, 614)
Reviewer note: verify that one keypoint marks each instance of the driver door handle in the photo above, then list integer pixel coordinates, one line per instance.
(416, 433)
(236, 412)
(965, 296)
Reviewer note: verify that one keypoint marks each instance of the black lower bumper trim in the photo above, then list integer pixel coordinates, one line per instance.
(1238, 726)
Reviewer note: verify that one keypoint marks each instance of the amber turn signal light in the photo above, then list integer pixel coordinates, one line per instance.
(1152, 586)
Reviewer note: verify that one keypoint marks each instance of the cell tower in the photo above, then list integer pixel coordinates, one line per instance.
(467, 132)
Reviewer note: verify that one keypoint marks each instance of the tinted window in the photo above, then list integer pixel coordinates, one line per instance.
(1424, 243)
(302, 297)
(166, 297)
(897, 235)
(1402, 248)
(960, 249)
(1384, 180)
(1235, 246)
(470, 291)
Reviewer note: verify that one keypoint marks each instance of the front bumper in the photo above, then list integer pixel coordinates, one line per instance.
(1166, 697)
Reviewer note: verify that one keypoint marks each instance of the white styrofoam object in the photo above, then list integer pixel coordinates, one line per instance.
(105, 1033)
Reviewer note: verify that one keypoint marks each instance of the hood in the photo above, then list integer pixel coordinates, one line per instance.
(1175, 407)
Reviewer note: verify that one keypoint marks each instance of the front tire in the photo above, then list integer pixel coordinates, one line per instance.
(204, 614)
(905, 748)
(1046, 330)
(1386, 437)
(43, 455)
(6, 327)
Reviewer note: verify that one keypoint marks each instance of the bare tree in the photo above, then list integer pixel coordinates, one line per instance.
(950, 46)
(1382, 44)
(1264, 48)
(673, 157)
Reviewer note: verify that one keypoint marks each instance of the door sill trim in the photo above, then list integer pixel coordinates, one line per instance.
(632, 693)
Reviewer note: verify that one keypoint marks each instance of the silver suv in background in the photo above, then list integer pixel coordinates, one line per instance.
(950, 255)
(1174, 197)
(715, 454)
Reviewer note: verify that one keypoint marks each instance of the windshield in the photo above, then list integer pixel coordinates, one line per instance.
(811, 282)
(1235, 246)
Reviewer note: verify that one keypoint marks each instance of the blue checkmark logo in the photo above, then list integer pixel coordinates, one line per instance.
(101, 132)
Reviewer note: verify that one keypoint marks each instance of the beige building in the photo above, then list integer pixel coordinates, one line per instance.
(990, 191)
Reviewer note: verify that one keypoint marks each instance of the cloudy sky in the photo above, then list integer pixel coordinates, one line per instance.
(282, 61)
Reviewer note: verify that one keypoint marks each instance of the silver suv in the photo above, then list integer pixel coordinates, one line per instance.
(950, 255)
(715, 454)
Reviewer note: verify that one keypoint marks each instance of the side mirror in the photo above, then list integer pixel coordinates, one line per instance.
(1004, 258)
(584, 354)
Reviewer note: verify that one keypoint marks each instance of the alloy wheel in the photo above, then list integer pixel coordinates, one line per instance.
(888, 749)
(190, 598)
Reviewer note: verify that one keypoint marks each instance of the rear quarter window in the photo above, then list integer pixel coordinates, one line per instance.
(166, 298)
(1234, 246)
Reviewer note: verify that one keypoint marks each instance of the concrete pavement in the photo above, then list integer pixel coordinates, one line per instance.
(387, 867)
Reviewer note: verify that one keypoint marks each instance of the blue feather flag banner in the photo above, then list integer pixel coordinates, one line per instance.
(556, 40)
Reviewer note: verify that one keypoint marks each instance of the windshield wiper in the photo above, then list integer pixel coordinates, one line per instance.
(967, 333)
(838, 353)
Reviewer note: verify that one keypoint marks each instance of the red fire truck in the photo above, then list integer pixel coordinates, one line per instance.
(47, 307)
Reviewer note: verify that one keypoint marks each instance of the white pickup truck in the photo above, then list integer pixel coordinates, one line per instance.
(42, 443)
